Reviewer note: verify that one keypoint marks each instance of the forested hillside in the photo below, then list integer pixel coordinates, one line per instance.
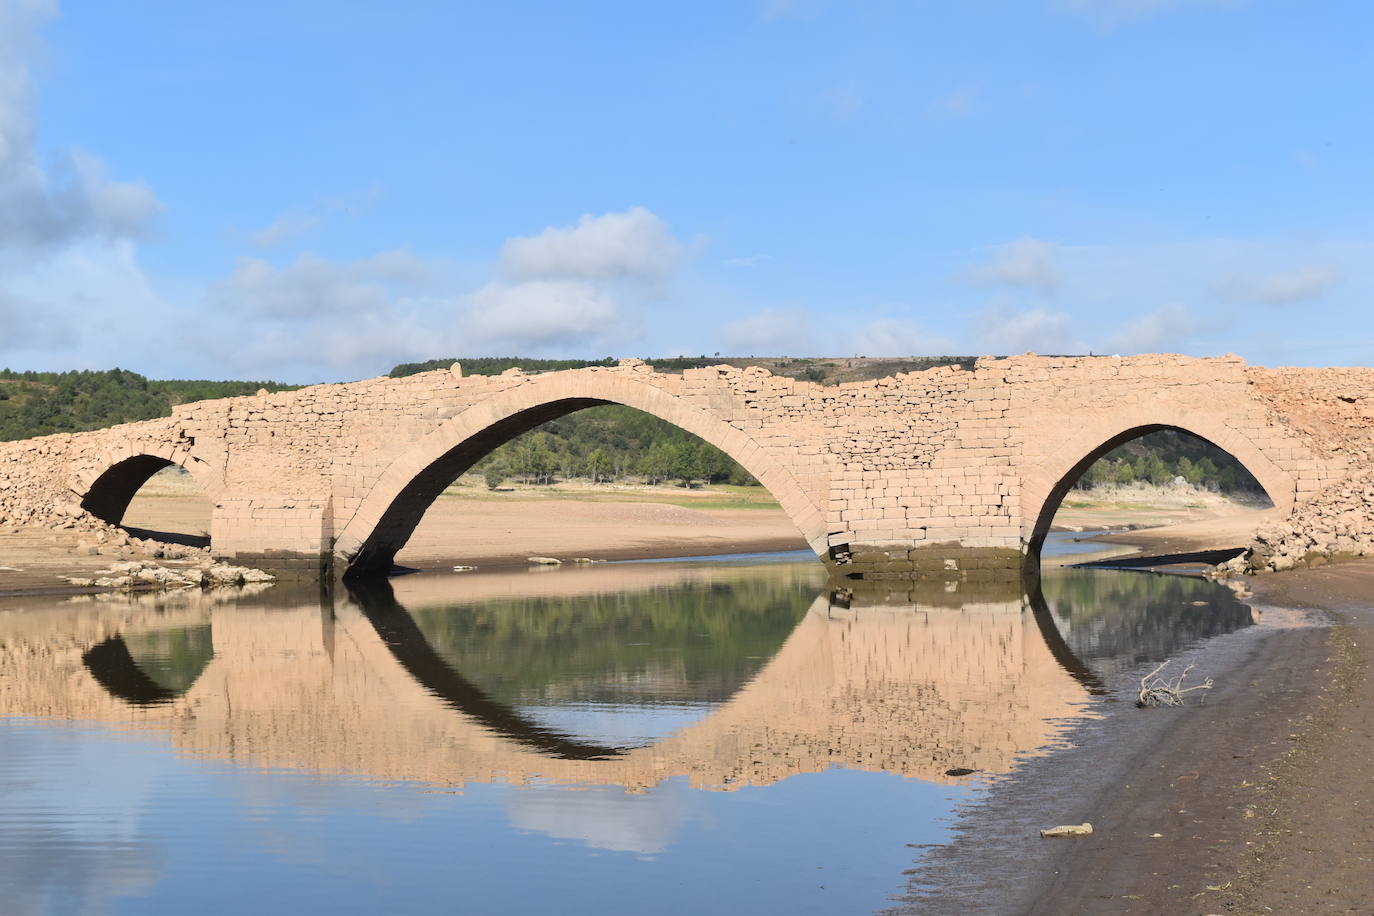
(1162, 456)
(604, 444)
(39, 403)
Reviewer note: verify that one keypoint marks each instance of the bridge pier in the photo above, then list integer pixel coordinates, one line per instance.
(288, 536)
(949, 561)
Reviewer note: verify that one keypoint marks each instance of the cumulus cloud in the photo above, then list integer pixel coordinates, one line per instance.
(312, 286)
(561, 291)
(771, 332)
(1004, 331)
(1024, 264)
(26, 324)
(540, 314)
(1166, 329)
(634, 244)
(1112, 13)
(897, 337)
(42, 208)
(1288, 288)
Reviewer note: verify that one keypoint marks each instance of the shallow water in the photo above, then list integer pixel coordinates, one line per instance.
(716, 735)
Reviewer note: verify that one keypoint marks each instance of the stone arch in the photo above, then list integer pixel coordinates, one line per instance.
(1044, 487)
(107, 490)
(394, 505)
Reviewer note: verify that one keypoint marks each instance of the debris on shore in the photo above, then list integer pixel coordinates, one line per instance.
(135, 575)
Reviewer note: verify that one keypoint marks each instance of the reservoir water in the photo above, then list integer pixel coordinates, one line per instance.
(723, 735)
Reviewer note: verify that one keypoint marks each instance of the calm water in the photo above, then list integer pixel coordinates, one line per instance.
(722, 736)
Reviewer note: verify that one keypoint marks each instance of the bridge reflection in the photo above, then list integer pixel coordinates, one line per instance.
(922, 683)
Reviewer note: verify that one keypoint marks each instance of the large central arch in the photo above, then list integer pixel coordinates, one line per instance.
(1044, 486)
(394, 505)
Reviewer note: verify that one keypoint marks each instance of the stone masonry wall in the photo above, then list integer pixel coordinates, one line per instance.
(888, 477)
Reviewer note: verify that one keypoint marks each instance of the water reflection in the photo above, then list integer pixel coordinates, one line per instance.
(1110, 622)
(566, 718)
(623, 677)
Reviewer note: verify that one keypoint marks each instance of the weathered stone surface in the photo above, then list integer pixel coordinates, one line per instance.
(868, 471)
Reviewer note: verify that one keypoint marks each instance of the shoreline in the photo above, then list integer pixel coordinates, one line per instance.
(1240, 804)
(666, 551)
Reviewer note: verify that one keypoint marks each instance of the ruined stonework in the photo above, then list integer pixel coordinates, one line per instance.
(944, 471)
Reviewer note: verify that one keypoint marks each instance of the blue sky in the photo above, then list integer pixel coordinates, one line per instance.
(317, 191)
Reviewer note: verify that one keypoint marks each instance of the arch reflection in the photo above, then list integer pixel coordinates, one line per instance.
(924, 683)
(152, 666)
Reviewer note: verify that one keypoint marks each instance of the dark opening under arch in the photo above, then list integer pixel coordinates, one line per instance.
(109, 497)
(1070, 478)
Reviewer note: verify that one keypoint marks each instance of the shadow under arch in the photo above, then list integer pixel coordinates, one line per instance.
(393, 507)
(109, 494)
(114, 667)
(407, 644)
(1277, 484)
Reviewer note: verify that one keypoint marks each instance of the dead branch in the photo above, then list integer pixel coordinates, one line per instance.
(1156, 690)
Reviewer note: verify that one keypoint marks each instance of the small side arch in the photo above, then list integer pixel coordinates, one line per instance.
(393, 506)
(1044, 487)
(106, 493)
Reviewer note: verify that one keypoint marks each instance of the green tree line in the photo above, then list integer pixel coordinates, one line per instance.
(39, 403)
(1165, 455)
(610, 443)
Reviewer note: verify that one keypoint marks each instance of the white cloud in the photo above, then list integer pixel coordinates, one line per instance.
(41, 210)
(1003, 331)
(1288, 288)
(1112, 13)
(1164, 330)
(634, 244)
(538, 315)
(311, 286)
(896, 337)
(771, 332)
(1024, 264)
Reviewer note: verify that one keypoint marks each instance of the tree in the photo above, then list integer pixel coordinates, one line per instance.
(494, 474)
(598, 465)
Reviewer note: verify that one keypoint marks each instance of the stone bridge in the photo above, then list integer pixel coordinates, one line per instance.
(931, 471)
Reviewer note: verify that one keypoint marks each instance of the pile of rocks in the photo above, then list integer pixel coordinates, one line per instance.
(145, 576)
(1337, 523)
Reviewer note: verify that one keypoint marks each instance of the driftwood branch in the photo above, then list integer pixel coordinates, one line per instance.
(1156, 690)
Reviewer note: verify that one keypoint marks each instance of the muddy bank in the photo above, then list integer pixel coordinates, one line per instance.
(1257, 801)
